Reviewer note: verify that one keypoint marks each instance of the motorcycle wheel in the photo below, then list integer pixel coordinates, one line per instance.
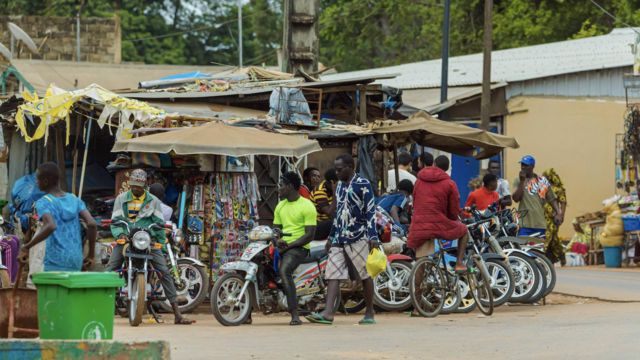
(223, 295)
(467, 303)
(548, 267)
(137, 301)
(453, 300)
(426, 285)
(501, 281)
(480, 285)
(542, 285)
(5, 281)
(195, 285)
(526, 276)
(393, 300)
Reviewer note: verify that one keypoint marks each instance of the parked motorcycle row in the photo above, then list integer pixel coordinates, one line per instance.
(502, 268)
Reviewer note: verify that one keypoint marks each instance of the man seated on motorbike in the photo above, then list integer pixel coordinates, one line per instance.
(141, 209)
(396, 204)
(296, 217)
(436, 207)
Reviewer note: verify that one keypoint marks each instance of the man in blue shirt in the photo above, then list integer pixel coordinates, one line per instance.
(353, 234)
(395, 204)
(60, 214)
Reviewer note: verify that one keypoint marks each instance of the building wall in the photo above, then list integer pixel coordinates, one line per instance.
(100, 38)
(597, 83)
(576, 136)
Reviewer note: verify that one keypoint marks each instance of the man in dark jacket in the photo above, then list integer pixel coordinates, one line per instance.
(436, 206)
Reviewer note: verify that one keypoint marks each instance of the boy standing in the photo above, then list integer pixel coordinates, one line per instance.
(60, 214)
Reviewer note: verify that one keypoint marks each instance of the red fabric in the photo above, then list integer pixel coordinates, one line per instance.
(436, 206)
(482, 198)
(304, 191)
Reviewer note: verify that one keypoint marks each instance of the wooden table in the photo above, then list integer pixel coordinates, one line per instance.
(594, 244)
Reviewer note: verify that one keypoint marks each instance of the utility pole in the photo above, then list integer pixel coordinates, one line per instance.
(78, 30)
(240, 32)
(485, 107)
(444, 77)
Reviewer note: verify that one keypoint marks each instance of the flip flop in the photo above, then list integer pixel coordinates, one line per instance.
(318, 319)
(366, 321)
(295, 322)
(184, 321)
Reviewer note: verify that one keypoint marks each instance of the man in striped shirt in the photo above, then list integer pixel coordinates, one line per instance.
(322, 198)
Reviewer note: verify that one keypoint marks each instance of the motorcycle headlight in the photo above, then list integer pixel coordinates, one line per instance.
(141, 240)
(261, 233)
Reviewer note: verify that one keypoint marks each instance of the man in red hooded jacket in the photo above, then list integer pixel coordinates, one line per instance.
(436, 206)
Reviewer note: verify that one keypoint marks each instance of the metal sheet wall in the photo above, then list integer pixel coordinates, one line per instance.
(599, 83)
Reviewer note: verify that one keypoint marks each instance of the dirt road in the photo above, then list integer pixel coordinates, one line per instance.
(566, 327)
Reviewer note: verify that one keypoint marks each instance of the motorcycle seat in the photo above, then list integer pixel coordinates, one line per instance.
(316, 253)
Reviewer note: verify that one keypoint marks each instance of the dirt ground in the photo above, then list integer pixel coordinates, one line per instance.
(566, 327)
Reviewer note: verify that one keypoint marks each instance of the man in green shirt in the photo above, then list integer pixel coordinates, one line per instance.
(296, 217)
(532, 192)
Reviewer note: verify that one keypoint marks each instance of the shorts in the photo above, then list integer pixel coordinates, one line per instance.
(338, 264)
(426, 249)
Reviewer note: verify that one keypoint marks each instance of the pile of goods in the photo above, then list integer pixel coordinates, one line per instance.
(613, 233)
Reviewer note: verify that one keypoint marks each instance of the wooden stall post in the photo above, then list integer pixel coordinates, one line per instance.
(60, 158)
(396, 164)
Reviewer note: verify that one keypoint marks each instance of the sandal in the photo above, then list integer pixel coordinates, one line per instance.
(295, 322)
(367, 321)
(184, 321)
(316, 318)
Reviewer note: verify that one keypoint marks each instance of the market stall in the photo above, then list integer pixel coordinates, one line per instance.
(211, 167)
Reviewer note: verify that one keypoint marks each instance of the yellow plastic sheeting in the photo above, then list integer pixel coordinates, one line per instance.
(57, 103)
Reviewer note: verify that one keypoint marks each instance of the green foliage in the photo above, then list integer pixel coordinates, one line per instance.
(357, 34)
(354, 34)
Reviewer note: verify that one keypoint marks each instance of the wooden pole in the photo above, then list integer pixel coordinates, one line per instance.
(74, 171)
(485, 107)
(362, 90)
(396, 164)
(84, 158)
(60, 158)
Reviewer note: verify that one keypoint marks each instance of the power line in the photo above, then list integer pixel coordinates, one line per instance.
(183, 32)
(613, 16)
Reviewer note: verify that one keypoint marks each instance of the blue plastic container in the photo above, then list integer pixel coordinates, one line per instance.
(613, 256)
(631, 222)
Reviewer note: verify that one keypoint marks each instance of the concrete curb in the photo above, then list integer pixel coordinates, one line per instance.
(82, 349)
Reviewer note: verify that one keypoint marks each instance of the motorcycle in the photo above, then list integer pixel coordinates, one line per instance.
(252, 283)
(531, 245)
(528, 276)
(137, 273)
(189, 275)
(391, 287)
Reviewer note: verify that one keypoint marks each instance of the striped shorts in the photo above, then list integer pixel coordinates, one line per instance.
(337, 265)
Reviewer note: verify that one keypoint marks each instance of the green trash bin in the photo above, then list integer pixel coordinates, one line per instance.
(76, 305)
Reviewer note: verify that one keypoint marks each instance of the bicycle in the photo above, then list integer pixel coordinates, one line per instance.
(430, 286)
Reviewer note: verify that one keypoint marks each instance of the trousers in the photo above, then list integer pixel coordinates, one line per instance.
(159, 263)
(289, 263)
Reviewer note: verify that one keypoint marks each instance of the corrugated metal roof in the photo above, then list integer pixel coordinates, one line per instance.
(76, 75)
(518, 64)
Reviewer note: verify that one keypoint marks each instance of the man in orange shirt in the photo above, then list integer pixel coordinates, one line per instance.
(486, 195)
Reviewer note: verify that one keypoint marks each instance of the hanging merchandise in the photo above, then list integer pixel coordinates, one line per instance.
(232, 210)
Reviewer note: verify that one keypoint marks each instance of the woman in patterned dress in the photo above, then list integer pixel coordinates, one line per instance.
(554, 248)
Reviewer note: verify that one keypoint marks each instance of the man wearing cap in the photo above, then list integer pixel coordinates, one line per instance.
(141, 209)
(532, 192)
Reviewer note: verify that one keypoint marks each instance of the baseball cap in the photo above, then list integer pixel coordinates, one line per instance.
(138, 177)
(528, 160)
